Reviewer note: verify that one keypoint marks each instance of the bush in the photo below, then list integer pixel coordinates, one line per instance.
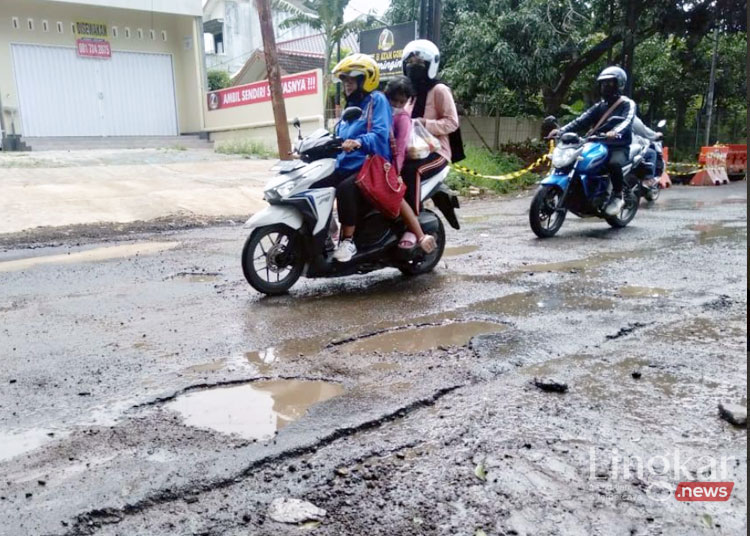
(528, 151)
(489, 163)
(218, 79)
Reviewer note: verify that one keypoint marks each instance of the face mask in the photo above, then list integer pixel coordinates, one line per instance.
(416, 72)
(607, 90)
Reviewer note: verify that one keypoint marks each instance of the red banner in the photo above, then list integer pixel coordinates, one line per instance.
(703, 491)
(292, 86)
(93, 48)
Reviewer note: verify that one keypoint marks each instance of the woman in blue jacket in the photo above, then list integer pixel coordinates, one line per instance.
(360, 76)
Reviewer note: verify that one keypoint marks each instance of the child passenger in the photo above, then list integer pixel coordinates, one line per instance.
(399, 91)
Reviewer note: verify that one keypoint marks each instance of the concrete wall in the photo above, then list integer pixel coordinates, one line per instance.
(256, 122)
(511, 129)
(184, 43)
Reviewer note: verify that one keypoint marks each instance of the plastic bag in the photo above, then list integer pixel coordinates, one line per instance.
(421, 142)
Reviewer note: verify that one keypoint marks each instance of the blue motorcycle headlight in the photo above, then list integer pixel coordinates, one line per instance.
(564, 156)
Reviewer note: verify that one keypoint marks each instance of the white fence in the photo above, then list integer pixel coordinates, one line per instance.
(492, 132)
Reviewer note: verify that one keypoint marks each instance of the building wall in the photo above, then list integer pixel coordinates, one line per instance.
(183, 43)
(255, 122)
(242, 32)
(478, 130)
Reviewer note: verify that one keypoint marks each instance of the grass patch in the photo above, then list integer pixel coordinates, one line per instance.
(252, 148)
(488, 163)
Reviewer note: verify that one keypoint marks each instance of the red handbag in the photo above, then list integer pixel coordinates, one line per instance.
(380, 183)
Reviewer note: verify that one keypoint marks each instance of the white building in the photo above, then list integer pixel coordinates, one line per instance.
(232, 32)
(101, 67)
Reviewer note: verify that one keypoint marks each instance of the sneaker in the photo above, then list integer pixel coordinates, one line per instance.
(614, 207)
(345, 251)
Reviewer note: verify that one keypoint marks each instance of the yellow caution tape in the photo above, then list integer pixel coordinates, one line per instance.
(507, 176)
(676, 170)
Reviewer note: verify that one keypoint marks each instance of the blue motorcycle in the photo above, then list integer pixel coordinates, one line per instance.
(579, 183)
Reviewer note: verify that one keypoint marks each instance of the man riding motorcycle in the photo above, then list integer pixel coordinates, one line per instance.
(611, 82)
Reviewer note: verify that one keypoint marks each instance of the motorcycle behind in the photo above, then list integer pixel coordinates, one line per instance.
(579, 183)
(290, 238)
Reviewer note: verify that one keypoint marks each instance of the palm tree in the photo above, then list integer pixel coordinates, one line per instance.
(327, 17)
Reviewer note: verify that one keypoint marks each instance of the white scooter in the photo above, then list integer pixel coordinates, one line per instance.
(290, 238)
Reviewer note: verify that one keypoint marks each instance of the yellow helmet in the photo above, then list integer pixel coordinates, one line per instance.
(360, 65)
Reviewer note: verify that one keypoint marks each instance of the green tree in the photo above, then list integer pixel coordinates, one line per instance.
(218, 79)
(327, 17)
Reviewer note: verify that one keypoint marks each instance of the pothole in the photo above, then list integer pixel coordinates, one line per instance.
(527, 303)
(459, 250)
(196, 277)
(420, 339)
(642, 292)
(253, 411)
(89, 255)
(710, 232)
(581, 265)
(16, 443)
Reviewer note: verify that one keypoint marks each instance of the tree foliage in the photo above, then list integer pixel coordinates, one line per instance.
(538, 57)
(218, 79)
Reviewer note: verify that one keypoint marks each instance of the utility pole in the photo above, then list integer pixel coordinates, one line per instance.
(423, 19)
(437, 7)
(274, 79)
(711, 82)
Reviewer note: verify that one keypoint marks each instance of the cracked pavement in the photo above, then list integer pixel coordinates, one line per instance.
(439, 428)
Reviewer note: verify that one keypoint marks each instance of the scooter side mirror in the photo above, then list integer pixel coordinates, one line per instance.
(352, 113)
(661, 124)
(550, 121)
(298, 125)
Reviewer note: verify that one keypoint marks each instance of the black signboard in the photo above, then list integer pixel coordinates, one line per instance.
(386, 45)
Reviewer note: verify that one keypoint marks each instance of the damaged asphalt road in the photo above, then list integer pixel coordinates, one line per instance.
(148, 390)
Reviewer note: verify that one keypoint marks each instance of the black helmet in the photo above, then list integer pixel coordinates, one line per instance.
(614, 73)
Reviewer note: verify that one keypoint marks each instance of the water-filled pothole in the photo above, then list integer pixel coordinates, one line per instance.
(420, 339)
(527, 303)
(642, 292)
(459, 250)
(89, 255)
(710, 232)
(253, 411)
(14, 444)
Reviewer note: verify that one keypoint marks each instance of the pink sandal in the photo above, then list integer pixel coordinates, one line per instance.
(408, 240)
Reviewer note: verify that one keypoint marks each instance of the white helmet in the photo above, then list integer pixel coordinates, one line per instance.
(426, 50)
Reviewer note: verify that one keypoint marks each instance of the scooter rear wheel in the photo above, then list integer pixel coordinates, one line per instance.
(544, 219)
(272, 259)
(430, 260)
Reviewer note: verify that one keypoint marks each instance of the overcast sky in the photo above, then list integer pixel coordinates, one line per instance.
(358, 7)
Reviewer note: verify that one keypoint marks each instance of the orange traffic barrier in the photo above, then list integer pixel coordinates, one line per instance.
(737, 160)
(664, 180)
(715, 160)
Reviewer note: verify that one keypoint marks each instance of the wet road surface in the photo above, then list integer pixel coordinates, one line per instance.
(147, 389)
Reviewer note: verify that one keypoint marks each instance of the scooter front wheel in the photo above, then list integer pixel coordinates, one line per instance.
(544, 218)
(272, 259)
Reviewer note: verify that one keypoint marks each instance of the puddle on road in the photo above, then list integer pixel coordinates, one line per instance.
(581, 265)
(526, 303)
(421, 339)
(13, 444)
(709, 232)
(253, 411)
(89, 255)
(642, 292)
(196, 277)
(459, 250)
(734, 201)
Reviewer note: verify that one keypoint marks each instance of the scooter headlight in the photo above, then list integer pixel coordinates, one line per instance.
(282, 190)
(564, 156)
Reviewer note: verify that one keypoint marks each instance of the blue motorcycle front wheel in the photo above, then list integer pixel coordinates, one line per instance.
(544, 217)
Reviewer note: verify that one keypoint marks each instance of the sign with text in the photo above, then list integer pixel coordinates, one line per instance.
(386, 46)
(91, 39)
(294, 85)
(93, 48)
